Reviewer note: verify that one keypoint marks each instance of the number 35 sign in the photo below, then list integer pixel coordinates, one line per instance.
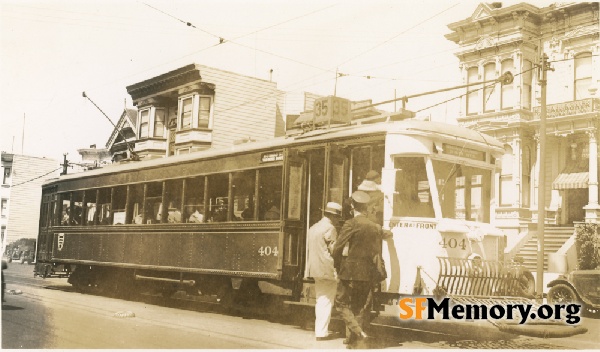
(331, 110)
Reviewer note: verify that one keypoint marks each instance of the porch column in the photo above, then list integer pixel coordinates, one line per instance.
(592, 210)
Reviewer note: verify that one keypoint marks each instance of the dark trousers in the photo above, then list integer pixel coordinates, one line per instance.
(352, 301)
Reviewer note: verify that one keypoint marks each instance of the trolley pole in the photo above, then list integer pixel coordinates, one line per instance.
(542, 77)
(64, 165)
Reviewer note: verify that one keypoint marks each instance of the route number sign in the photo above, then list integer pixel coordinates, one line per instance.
(331, 110)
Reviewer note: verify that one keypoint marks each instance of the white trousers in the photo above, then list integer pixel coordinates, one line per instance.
(325, 291)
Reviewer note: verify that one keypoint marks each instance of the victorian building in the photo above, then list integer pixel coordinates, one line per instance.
(496, 39)
(198, 107)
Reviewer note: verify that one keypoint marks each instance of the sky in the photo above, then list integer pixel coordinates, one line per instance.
(52, 51)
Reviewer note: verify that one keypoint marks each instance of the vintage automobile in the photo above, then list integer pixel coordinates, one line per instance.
(581, 286)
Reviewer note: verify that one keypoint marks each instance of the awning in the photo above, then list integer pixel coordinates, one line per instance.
(571, 180)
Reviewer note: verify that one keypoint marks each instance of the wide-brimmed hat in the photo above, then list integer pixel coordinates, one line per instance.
(372, 175)
(361, 197)
(368, 186)
(333, 208)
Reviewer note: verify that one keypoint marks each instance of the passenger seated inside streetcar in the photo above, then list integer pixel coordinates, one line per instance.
(196, 217)
(174, 216)
(138, 219)
(272, 213)
(220, 211)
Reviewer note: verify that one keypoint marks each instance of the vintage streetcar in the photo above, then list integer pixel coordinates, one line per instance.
(232, 222)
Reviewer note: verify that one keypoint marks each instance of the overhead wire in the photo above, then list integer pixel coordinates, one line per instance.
(35, 178)
(399, 34)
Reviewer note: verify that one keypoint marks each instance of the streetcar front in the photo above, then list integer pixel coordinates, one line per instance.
(438, 190)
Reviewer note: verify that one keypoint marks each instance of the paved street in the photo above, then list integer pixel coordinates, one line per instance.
(45, 314)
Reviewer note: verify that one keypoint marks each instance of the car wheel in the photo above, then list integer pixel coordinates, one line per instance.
(562, 293)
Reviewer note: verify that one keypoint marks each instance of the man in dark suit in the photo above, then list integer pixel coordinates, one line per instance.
(353, 255)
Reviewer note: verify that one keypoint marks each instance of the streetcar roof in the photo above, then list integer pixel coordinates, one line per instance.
(411, 127)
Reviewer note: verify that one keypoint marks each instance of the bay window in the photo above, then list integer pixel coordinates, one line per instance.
(195, 111)
(152, 122)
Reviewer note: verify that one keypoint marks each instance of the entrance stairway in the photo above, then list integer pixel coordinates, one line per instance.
(554, 238)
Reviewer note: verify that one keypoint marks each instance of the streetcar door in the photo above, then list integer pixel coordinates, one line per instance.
(305, 201)
(294, 203)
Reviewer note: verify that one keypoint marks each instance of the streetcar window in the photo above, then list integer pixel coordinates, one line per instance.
(336, 181)
(295, 191)
(153, 203)
(104, 205)
(269, 193)
(118, 203)
(242, 192)
(77, 210)
(193, 210)
(90, 200)
(464, 191)
(173, 198)
(218, 188)
(365, 159)
(55, 211)
(65, 209)
(136, 198)
(412, 196)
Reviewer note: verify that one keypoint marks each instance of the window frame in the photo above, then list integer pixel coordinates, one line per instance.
(587, 69)
(473, 102)
(195, 118)
(507, 91)
(142, 123)
(490, 101)
(6, 175)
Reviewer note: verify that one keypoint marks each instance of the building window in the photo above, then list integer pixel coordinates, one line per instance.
(144, 123)
(583, 75)
(6, 178)
(195, 112)
(472, 92)
(527, 82)
(204, 112)
(490, 100)
(186, 113)
(508, 96)
(159, 123)
(3, 209)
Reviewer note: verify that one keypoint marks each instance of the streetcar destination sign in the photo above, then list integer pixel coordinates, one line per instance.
(463, 152)
(271, 157)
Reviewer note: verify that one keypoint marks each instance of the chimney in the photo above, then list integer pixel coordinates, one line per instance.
(271, 75)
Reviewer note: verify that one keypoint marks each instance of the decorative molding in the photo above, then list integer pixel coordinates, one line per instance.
(580, 31)
(485, 41)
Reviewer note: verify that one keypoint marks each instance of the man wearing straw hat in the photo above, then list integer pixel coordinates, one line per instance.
(319, 265)
(372, 186)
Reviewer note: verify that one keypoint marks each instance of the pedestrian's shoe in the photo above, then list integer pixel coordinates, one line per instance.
(324, 338)
(350, 339)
